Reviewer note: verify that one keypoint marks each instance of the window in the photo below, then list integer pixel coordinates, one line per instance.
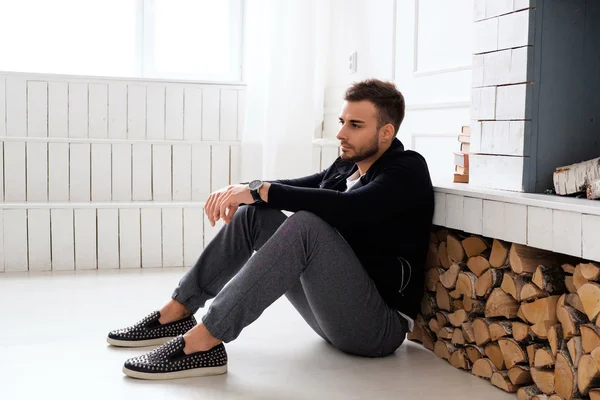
(176, 39)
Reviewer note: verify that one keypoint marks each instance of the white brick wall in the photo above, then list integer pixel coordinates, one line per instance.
(513, 29)
(485, 36)
(494, 8)
(511, 102)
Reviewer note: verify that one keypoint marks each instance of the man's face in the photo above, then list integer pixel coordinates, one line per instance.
(358, 133)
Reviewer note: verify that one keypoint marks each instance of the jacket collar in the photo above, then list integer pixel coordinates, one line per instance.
(347, 168)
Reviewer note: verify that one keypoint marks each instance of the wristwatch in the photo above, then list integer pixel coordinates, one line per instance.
(254, 187)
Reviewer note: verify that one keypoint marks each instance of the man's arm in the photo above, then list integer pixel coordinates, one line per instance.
(311, 181)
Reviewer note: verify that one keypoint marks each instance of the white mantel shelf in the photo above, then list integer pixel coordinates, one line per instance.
(560, 224)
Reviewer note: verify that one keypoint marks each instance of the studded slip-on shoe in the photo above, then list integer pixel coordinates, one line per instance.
(170, 362)
(150, 332)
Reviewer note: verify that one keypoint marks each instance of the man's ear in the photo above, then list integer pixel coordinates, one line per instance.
(387, 132)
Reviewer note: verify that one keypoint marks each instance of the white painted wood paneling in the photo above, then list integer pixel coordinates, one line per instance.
(1, 232)
(590, 226)
(98, 110)
(515, 223)
(566, 232)
(493, 8)
(78, 110)
(37, 171)
(522, 4)
(493, 219)
(228, 114)
(497, 68)
(130, 253)
(156, 112)
(485, 37)
(142, 172)
(201, 172)
(193, 234)
(477, 70)
(117, 110)
(151, 238)
(182, 172)
(101, 172)
(174, 113)
(513, 30)
(79, 165)
(121, 172)
(85, 238)
(210, 113)
(503, 137)
(58, 109)
(161, 172)
(454, 211)
(172, 237)
(539, 227)
(511, 101)
(108, 238)
(478, 10)
(484, 172)
(15, 240)
(518, 65)
(236, 164)
(37, 109)
(16, 107)
(2, 120)
(136, 112)
(328, 156)
(58, 171)
(316, 159)
(487, 107)
(14, 171)
(241, 110)
(220, 166)
(473, 215)
(211, 231)
(193, 113)
(439, 215)
(63, 239)
(1, 174)
(38, 230)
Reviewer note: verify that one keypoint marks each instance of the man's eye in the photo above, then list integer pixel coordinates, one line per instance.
(355, 126)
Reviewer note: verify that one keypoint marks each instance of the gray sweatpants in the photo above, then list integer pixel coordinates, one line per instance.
(302, 257)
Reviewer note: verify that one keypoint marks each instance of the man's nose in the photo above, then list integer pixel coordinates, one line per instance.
(341, 133)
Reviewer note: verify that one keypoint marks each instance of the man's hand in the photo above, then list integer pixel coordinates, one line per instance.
(223, 203)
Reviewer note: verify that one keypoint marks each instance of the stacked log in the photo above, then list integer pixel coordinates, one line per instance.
(517, 316)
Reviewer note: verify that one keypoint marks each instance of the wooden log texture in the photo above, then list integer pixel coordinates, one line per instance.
(500, 304)
(474, 246)
(501, 380)
(520, 375)
(575, 178)
(592, 191)
(513, 352)
(544, 379)
(565, 377)
(499, 254)
(550, 278)
(449, 277)
(524, 259)
(528, 392)
(589, 294)
(484, 368)
(488, 281)
(456, 252)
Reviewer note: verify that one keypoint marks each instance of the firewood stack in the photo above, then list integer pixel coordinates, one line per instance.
(521, 317)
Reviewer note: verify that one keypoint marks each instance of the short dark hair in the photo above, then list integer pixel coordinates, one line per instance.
(388, 100)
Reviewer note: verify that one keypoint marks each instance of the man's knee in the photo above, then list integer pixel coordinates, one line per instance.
(307, 217)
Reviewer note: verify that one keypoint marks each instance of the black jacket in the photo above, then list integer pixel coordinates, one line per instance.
(386, 217)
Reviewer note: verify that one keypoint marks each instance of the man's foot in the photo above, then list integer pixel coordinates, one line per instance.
(169, 361)
(150, 332)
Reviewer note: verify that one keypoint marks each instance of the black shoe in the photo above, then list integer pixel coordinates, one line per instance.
(150, 332)
(170, 362)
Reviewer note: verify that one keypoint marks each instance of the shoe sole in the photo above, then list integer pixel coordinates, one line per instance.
(138, 343)
(189, 373)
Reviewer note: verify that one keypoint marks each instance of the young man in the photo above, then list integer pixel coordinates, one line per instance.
(350, 259)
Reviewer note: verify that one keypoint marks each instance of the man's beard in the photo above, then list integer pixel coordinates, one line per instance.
(370, 151)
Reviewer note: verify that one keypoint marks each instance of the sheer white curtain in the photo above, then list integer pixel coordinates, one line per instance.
(286, 45)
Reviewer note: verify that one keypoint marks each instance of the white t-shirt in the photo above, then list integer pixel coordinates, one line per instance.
(350, 182)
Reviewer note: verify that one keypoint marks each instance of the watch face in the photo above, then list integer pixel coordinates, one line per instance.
(255, 185)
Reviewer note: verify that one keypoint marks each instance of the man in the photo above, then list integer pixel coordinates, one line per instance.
(350, 259)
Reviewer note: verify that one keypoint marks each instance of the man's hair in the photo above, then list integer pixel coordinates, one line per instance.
(388, 100)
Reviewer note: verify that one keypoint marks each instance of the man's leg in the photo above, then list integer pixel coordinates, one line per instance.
(226, 254)
(249, 229)
(344, 301)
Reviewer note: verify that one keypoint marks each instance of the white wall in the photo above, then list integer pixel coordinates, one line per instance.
(109, 173)
(368, 28)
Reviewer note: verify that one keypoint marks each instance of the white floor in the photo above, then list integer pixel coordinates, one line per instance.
(52, 346)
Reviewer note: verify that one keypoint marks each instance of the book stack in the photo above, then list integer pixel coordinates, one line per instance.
(461, 158)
